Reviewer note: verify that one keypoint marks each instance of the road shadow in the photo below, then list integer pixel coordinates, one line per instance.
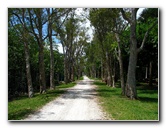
(80, 94)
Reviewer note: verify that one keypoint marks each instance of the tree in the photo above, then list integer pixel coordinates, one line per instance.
(99, 19)
(37, 19)
(54, 16)
(50, 22)
(70, 37)
(150, 48)
(131, 76)
(20, 15)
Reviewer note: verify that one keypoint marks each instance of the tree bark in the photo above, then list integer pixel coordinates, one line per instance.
(102, 70)
(41, 70)
(26, 49)
(131, 79)
(39, 38)
(51, 65)
(28, 71)
(120, 65)
(66, 72)
(41, 57)
(146, 73)
(72, 72)
(109, 72)
(51, 51)
(150, 73)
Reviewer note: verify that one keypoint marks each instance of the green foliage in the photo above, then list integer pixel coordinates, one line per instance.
(16, 64)
(150, 50)
(121, 108)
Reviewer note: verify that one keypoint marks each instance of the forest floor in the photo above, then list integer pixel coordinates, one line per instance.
(79, 103)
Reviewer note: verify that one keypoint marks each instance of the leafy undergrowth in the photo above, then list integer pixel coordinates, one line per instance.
(122, 108)
(22, 106)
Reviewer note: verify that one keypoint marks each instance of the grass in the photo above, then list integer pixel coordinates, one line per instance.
(122, 108)
(81, 78)
(22, 106)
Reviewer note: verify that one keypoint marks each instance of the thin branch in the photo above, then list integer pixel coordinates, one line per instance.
(145, 36)
(33, 31)
(124, 15)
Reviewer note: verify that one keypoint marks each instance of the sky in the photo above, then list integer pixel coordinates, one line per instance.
(90, 31)
(139, 11)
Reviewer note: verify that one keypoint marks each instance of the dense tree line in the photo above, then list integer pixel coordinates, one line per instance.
(34, 61)
(123, 48)
(125, 40)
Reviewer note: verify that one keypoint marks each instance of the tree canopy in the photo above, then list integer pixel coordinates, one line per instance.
(124, 48)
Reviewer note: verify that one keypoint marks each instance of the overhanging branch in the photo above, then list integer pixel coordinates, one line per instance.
(146, 35)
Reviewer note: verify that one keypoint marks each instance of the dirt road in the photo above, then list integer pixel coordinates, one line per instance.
(78, 103)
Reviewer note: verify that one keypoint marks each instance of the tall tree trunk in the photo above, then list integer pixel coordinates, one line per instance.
(131, 79)
(120, 65)
(41, 57)
(51, 51)
(51, 66)
(28, 71)
(41, 70)
(26, 49)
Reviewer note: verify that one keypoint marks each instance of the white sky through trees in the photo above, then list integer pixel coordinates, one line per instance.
(79, 12)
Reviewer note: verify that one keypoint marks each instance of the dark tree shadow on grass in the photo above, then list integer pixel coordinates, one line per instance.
(148, 99)
(20, 114)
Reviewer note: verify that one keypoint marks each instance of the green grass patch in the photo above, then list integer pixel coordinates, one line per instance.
(122, 108)
(95, 78)
(66, 85)
(23, 106)
(81, 78)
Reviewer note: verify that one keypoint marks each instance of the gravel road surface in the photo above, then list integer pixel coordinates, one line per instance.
(79, 103)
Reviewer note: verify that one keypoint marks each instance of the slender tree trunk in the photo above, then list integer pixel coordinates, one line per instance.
(120, 65)
(26, 49)
(146, 73)
(66, 70)
(72, 72)
(41, 70)
(131, 79)
(102, 70)
(39, 37)
(150, 73)
(113, 75)
(51, 50)
(51, 66)
(42, 80)
(28, 71)
(41, 60)
(109, 73)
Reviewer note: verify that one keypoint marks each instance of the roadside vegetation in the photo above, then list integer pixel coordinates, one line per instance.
(122, 47)
(22, 106)
(120, 107)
